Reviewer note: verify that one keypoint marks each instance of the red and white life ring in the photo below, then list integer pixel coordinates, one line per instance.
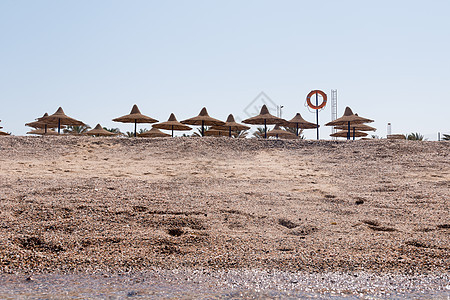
(322, 105)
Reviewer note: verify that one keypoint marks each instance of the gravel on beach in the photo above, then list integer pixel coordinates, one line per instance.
(79, 205)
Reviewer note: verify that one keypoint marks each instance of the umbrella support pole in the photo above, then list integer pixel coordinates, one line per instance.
(348, 130)
(172, 130)
(229, 132)
(265, 129)
(59, 126)
(296, 132)
(353, 133)
(317, 115)
(135, 128)
(203, 128)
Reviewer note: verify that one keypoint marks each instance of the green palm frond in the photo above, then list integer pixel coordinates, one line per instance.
(76, 129)
(415, 136)
(259, 133)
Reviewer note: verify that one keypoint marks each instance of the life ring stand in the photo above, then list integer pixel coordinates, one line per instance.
(322, 105)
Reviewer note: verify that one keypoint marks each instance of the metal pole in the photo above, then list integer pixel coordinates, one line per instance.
(265, 129)
(135, 128)
(296, 132)
(439, 136)
(59, 126)
(229, 133)
(172, 130)
(317, 114)
(353, 133)
(203, 130)
(348, 131)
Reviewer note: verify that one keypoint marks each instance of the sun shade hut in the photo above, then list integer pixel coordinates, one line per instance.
(203, 119)
(152, 133)
(43, 125)
(264, 118)
(344, 133)
(299, 123)
(358, 127)
(349, 118)
(41, 131)
(172, 124)
(99, 131)
(3, 133)
(60, 118)
(216, 132)
(280, 133)
(231, 125)
(135, 117)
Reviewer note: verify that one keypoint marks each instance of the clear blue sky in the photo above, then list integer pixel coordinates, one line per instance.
(389, 60)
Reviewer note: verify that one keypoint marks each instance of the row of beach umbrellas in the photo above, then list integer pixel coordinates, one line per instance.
(349, 123)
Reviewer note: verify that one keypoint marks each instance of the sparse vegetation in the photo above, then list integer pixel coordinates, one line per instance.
(259, 133)
(76, 129)
(414, 136)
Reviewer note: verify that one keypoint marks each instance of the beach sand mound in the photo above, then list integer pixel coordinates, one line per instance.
(76, 204)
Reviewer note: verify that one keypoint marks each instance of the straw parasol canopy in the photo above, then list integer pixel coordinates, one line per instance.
(42, 125)
(154, 132)
(135, 117)
(60, 118)
(3, 133)
(264, 118)
(280, 133)
(299, 123)
(41, 131)
(172, 124)
(359, 127)
(99, 131)
(231, 125)
(203, 119)
(349, 118)
(344, 133)
(216, 132)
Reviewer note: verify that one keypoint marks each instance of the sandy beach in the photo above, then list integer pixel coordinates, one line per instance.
(115, 205)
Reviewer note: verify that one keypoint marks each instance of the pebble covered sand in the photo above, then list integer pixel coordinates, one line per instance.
(79, 205)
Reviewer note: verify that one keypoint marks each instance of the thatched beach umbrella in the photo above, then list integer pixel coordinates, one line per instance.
(359, 127)
(349, 118)
(231, 125)
(264, 118)
(203, 119)
(60, 118)
(3, 133)
(41, 131)
(172, 124)
(278, 132)
(299, 123)
(135, 117)
(99, 131)
(216, 132)
(154, 132)
(43, 125)
(344, 133)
